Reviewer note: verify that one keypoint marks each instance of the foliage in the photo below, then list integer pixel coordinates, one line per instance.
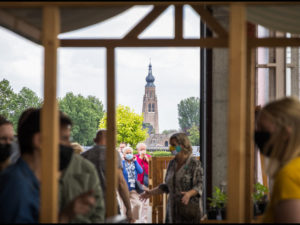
(260, 192)
(194, 135)
(160, 153)
(85, 114)
(129, 126)
(189, 113)
(169, 131)
(218, 200)
(13, 104)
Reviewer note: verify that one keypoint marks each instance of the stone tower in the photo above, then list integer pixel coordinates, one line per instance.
(150, 109)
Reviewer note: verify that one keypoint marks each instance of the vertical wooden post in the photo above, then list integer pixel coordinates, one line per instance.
(250, 124)
(111, 153)
(178, 22)
(236, 114)
(49, 118)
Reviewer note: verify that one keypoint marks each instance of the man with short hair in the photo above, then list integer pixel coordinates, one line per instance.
(80, 176)
(121, 147)
(20, 182)
(97, 155)
(6, 139)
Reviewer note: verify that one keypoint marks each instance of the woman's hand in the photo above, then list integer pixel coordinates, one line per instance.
(186, 197)
(145, 195)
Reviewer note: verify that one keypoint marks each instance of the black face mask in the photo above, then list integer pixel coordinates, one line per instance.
(261, 138)
(5, 151)
(65, 153)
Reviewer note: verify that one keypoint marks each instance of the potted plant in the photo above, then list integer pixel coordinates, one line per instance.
(217, 205)
(260, 198)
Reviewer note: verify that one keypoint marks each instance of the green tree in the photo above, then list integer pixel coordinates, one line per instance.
(7, 96)
(129, 126)
(169, 131)
(189, 113)
(25, 99)
(194, 135)
(85, 114)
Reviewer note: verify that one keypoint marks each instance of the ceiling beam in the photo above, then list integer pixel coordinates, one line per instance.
(274, 42)
(20, 26)
(146, 21)
(203, 42)
(210, 20)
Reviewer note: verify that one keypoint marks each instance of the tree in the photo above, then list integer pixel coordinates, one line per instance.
(85, 114)
(129, 126)
(169, 131)
(25, 99)
(189, 113)
(6, 98)
(13, 104)
(194, 135)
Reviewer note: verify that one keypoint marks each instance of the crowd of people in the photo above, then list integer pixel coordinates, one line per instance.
(82, 176)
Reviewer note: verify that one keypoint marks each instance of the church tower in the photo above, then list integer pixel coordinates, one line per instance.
(150, 109)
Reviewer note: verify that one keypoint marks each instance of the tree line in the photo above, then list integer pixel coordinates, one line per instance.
(88, 115)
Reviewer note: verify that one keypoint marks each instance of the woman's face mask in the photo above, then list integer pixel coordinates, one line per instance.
(261, 138)
(178, 148)
(129, 157)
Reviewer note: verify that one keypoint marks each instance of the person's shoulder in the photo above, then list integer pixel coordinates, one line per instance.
(82, 162)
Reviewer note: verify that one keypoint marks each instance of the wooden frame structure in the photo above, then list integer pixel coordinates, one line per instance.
(241, 103)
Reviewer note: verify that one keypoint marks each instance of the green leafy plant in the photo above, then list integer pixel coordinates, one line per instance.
(259, 193)
(219, 199)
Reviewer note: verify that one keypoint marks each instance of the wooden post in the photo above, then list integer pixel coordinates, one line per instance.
(49, 118)
(111, 153)
(250, 124)
(237, 118)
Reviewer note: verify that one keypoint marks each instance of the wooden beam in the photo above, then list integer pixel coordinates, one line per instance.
(250, 122)
(236, 113)
(49, 118)
(146, 21)
(111, 153)
(210, 21)
(274, 42)
(178, 22)
(203, 42)
(20, 4)
(19, 26)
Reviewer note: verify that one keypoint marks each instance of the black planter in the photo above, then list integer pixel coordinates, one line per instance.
(259, 208)
(212, 214)
(216, 214)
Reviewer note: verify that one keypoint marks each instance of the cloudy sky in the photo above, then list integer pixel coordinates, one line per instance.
(83, 70)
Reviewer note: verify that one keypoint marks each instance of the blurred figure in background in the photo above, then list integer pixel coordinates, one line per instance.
(131, 168)
(143, 159)
(6, 140)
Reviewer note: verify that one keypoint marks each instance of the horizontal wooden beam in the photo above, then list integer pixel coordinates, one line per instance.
(211, 22)
(274, 42)
(145, 22)
(203, 42)
(20, 4)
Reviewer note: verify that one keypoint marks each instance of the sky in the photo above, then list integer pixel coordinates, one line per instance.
(83, 70)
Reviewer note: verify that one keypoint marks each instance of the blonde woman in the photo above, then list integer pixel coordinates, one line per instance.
(183, 183)
(278, 138)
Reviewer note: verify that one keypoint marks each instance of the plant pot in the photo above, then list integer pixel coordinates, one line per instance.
(223, 213)
(262, 206)
(212, 214)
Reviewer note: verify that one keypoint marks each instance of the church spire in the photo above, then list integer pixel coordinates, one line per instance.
(150, 78)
